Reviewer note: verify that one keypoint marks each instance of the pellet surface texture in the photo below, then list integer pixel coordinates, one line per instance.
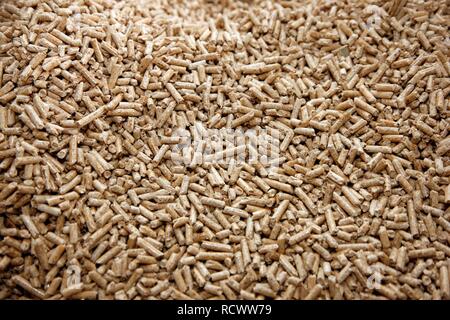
(228, 149)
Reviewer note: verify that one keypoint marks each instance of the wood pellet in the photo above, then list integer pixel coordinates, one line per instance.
(132, 134)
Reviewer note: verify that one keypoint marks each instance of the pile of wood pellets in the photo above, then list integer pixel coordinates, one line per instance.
(95, 204)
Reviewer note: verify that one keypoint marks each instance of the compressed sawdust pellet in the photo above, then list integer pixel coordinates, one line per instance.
(224, 149)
